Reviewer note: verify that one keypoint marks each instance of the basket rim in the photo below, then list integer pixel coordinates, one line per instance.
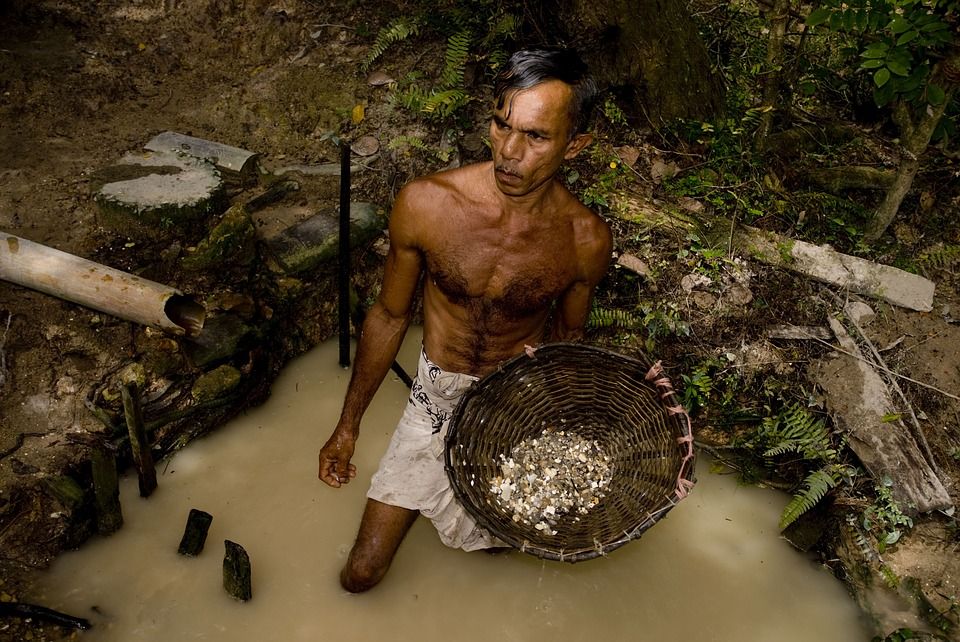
(686, 476)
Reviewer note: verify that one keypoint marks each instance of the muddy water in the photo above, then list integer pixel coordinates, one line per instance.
(715, 569)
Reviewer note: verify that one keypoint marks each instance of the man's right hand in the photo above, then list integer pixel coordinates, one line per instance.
(335, 466)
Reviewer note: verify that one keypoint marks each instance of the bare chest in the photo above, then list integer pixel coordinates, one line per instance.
(513, 280)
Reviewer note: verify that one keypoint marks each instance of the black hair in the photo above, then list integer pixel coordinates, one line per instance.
(529, 67)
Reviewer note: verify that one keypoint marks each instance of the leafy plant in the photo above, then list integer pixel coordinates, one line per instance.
(697, 388)
(417, 143)
(815, 487)
(795, 430)
(900, 42)
(940, 257)
(475, 30)
(396, 31)
(884, 518)
(601, 317)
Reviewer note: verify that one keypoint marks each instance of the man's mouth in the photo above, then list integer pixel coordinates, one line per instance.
(507, 176)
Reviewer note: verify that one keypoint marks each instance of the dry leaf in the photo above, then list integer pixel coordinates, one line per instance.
(365, 146)
(660, 170)
(378, 78)
(628, 154)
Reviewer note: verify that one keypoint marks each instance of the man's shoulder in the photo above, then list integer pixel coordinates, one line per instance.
(442, 192)
(458, 180)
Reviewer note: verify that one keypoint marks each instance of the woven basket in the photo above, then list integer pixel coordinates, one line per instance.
(624, 404)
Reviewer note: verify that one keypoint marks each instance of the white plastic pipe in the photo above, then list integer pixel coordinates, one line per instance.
(97, 286)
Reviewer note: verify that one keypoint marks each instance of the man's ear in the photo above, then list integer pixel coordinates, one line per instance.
(577, 145)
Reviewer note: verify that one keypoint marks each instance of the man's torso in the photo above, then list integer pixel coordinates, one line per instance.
(491, 275)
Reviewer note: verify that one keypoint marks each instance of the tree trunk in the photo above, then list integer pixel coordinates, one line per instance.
(772, 74)
(915, 136)
(648, 52)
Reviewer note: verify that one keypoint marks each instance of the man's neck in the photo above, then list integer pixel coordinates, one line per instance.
(531, 203)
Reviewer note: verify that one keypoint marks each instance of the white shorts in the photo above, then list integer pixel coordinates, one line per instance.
(411, 474)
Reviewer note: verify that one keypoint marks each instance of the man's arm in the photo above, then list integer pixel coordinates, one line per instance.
(379, 342)
(593, 259)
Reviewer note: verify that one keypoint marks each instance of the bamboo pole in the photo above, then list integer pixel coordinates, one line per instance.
(97, 286)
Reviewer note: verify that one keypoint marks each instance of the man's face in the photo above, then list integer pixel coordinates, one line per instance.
(530, 136)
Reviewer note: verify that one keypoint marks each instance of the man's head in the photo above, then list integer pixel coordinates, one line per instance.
(542, 104)
(530, 67)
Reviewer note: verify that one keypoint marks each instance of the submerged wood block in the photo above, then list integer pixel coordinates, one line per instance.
(236, 572)
(195, 533)
(106, 490)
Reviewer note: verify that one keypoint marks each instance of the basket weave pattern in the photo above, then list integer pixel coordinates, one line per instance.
(624, 404)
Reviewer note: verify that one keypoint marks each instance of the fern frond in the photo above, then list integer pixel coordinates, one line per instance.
(797, 430)
(940, 257)
(444, 103)
(417, 143)
(613, 318)
(398, 30)
(455, 59)
(816, 486)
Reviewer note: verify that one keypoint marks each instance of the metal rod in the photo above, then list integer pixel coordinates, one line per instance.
(344, 256)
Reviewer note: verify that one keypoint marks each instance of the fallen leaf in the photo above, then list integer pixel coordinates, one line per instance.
(660, 170)
(628, 154)
(365, 146)
(378, 78)
(357, 115)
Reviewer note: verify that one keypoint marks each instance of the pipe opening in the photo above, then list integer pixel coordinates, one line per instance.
(185, 313)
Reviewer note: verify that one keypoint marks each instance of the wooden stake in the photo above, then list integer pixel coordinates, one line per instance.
(139, 446)
(236, 572)
(195, 533)
(106, 490)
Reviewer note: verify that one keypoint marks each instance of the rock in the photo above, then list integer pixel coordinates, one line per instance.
(860, 313)
(216, 383)
(694, 281)
(152, 193)
(315, 241)
(634, 264)
(222, 337)
(703, 300)
(738, 295)
(858, 398)
(232, 241)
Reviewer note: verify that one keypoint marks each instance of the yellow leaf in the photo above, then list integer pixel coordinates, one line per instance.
(357, 115)
(141, 46)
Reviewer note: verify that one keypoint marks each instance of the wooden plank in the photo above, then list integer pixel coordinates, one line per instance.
(139, 445)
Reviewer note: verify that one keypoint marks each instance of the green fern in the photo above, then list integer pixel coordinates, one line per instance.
(397, 31)
(613, 318)
(502, 29)
(815, 487)
(799, 431)
(442, 104)
(417, 143)
(455, 59)
(940, 257)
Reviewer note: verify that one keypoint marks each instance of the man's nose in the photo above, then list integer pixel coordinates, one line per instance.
(512, 146)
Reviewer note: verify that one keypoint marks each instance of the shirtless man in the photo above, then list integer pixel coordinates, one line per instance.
(504, 248)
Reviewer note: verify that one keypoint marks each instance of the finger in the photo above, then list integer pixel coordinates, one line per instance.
(327, 473)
